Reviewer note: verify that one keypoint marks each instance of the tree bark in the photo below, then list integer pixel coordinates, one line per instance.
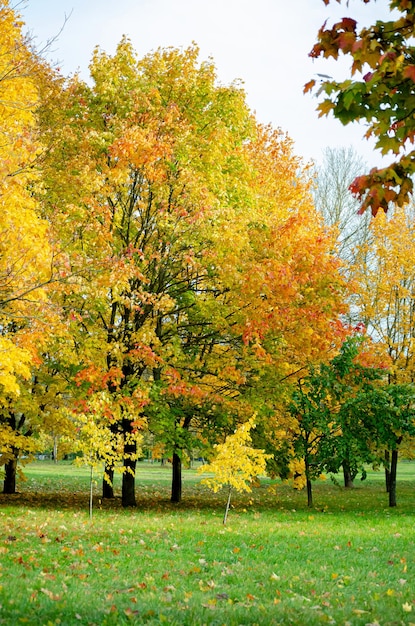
(176, 483)
(392, 479)
(128, 484)
(309, 493)
(347, 475)
(10, 471)
(387, 471)
(309, 484)
(228, 504)
(128, 477)
(108, 482)
(55, 449)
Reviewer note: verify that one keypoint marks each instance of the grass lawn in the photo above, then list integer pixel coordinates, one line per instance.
(350, 560)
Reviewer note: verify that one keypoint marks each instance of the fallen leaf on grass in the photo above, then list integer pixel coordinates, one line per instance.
(130, 612)
(222, 596)
(210, 605)
(50, 594)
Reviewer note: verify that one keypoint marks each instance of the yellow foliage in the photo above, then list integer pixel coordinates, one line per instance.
(14, 361)
(96, 441)
(385, 276)
(236, 463)
(297, 472)
(25, 253)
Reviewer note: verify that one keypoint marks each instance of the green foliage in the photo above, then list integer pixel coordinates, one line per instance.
(330, 431)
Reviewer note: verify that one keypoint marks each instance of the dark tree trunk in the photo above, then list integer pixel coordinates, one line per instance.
(128, 484)
(108, 482)
(309, 485)
(128, 477)
(10, 471)
(387, 471)
(309, 493)
(176, 483)
(392, 479)
(347, 475)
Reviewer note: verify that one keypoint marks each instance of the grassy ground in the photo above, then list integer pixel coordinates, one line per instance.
(349, 561)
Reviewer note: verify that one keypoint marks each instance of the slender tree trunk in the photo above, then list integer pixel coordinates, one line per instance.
(176, 483)
(347, 475)
(387, 471)
(228, 504)
(91, 492)
(309, 484)
(108, 482)
(10, 471)
(392, 479)
(55, 449)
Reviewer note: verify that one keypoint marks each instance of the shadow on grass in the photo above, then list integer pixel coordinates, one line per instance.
(329, 498)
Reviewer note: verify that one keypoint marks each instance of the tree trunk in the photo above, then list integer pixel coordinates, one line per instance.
(108, 482)
(10, 471)
(392, 478)
(128, 477)
(347, 475)
(55, 449)
(309, 493)
(309, 485)
(387, 471)
(228, 504)
(176, 484)
(128, 484)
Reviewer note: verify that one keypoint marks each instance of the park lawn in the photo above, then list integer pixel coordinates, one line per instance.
(349, 560)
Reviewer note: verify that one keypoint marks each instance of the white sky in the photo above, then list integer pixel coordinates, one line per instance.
(263, 42)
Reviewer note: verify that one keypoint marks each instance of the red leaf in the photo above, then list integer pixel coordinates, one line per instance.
(348, 24)
(409, 72)
(308, 86)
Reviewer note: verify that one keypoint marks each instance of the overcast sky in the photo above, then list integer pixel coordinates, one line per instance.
(263, 42)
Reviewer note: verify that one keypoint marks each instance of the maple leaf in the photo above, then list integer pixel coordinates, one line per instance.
(382, 93)
(409, 72)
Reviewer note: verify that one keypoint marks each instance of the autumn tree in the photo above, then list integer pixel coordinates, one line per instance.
(27, 253)
(378, 91)
(145, 174)
(385, 296)
(386, 289)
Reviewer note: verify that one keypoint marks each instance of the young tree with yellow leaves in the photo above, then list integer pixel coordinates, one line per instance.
(236, 463)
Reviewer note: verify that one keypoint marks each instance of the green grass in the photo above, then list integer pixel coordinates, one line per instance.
(349, 560)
